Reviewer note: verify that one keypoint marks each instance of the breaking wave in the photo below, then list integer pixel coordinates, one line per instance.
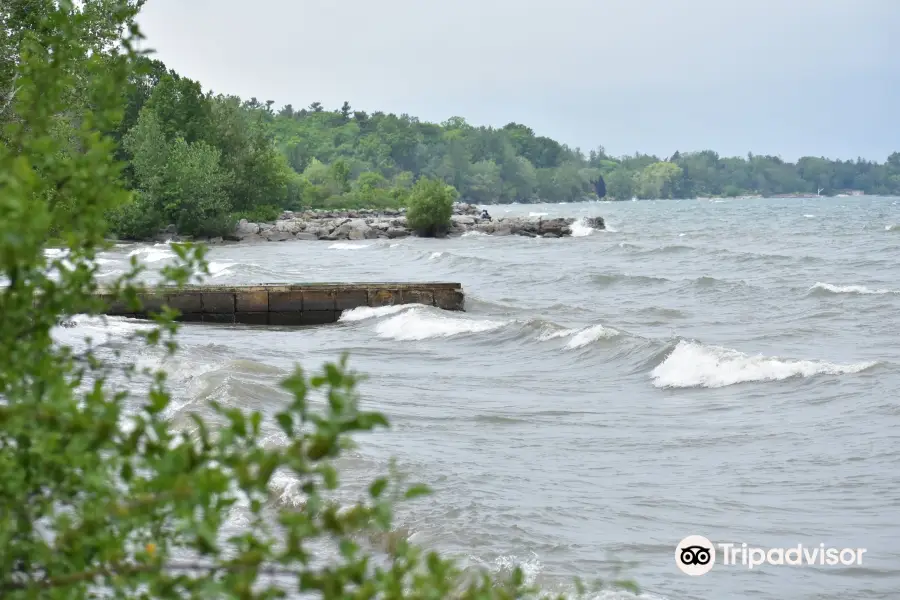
(692, 364)
(827, 288)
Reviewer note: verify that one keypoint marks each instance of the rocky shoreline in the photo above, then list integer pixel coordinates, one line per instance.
(387, 224)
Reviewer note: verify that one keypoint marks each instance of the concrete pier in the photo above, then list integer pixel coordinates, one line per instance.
(287, 304)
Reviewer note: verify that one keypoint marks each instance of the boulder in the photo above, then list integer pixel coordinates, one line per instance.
(556, 227)
(595, 222)
(291, 226)
(462, 220)
(273, 235)
(397, 232)
(244, 227)
(305, 235)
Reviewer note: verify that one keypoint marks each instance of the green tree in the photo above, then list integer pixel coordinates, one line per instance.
(620, 184)
(195, 198)
(430, 207)
(658, 180)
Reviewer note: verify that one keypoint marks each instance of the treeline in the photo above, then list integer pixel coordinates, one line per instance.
(200, 161)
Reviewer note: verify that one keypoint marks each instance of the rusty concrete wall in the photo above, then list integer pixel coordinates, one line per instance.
(289, 304)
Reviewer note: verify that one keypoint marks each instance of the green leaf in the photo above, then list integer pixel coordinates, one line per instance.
(416, 491)
(286, 422)
(378, 486)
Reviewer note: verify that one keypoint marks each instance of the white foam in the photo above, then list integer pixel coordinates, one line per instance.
(537, 214)
(346, 246)
(590, 335)
(99, 331)
(435, 255)
(546, 336)
(530, 567)
(892, 227)
(363, 313)
(154, 253)
(473, 234)
(809, 216)
(217, 269)
(580, 228)
(849, 289)
(580, 337)
(417, 325)
(692, 364)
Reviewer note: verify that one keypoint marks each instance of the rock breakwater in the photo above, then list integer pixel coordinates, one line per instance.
(391, 224)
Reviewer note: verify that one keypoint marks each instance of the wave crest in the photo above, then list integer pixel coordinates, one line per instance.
(692, 364)
(419, 324)
(827, 288)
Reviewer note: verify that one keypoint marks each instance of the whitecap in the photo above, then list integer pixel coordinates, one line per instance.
(217, 269)
(100, 329)
(153, 253)
(537, 214)
(580, 337)
(435, 255)
(363, 313)
(346, 246)
(692, 364)
(580, 228)
(417, 325)
(590, 335)
(848, 289)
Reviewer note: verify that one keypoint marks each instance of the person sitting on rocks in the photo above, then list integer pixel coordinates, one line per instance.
(485, 215)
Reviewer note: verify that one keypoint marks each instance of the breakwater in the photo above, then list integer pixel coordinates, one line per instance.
(285, 304)
(391, 224)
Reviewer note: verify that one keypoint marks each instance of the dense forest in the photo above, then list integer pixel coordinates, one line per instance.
(200, 160)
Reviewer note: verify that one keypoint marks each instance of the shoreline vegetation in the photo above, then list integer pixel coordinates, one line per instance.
(202, 163)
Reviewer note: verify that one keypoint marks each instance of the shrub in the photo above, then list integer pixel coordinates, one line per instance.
(137, 220)
(430, 206)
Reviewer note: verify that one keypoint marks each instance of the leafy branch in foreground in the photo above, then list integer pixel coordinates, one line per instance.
(101, 494)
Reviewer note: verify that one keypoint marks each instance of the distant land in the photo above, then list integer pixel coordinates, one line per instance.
(206, 160)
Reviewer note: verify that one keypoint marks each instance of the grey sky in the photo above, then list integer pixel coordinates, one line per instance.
(788, 77)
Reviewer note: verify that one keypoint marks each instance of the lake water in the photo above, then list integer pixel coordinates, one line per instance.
(723, 368)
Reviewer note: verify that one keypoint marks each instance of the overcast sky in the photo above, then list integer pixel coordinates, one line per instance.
(788, 77)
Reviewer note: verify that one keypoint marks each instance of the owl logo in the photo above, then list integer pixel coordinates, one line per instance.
(695, 555)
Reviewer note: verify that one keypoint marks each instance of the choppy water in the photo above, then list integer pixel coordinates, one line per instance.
(722, 368)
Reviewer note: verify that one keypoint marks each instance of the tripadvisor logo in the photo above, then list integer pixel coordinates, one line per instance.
(696, 555)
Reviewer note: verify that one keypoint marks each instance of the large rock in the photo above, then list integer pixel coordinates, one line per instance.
(555, 227)
(273, 235)
(462, 220)
(291, 226)
(595, 222)
(397, 232)
(244, 227)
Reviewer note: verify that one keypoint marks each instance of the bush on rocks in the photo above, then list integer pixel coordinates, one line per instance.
(430, 207)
